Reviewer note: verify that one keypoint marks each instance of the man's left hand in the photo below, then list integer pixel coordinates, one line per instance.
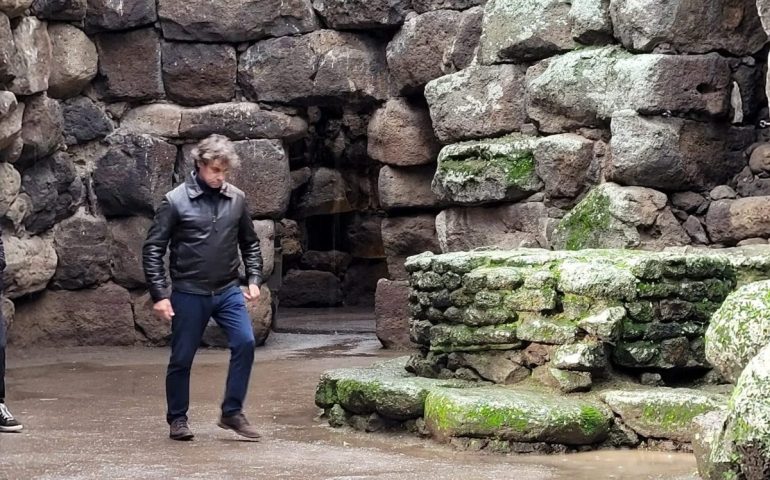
(252, 294)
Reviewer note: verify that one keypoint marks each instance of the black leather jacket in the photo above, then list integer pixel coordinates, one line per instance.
(2, 267)
(205, 231)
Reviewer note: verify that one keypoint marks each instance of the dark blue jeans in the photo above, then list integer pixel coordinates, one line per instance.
(192, 313)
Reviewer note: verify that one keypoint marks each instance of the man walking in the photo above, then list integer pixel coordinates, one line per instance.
(206, 221)
(7, 422)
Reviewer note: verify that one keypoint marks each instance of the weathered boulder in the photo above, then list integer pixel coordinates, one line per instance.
(234, 21)
(240, 121)
(362, 14)
(74, 60)
(31, 65)
(10, 183)
(333, 261)
(54, 190)
(611, 216)
(100, 316)
(364, 236)
(82, 245)
(42, 128)
(303, 288)
(519, 31)
(591, 21)
(730, 221)
(422, 6)
(198, 73)
(134, 175)
(739, 329)
(31, 264)
(400, 134)
(497, 367)
(129, 63)
(266, 233)
(321, 67)
(562, 162)
(464, 48)
(62, 10)
(391, 312)
(565, 380)
(327, 193)
(582, 357)
(407, 187)
(7, 50)
(14, 8)
(155, 119)
(707, 430)
(487, 171)
(8, 311)
(478, 102)
(127, 236)
(10, 128)
(669, 153)
(508, 414)
(723, 25)
(110, 15)
(584, 88)
(417, 53)
(662, 412)
(84, 121)
(405, 236)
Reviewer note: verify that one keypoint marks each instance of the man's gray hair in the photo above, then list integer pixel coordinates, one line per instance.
(216, 147)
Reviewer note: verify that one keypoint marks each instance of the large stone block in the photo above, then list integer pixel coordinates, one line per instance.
(562, 162)
(74, 60)
(478, 102)
(199, 73)
(326, 193)
(407, 188)
(129, 63)
(584, 88)
(127, 237)
(516, 30)
(234, 21)
(722, 25)
(362, 14)
(82, 245)
(61, 10)
(417, 53)
(487, 171)
(31, 263)
(14, 8)
(101, 316)
(54, 190)
(84, 121)
(42, 127)
(10, 125)
(506, 227)
(670, 154)
(240, 121)
(126, 14)
(730, 221)
(591, 21)
(391, 311)
(7, 50)
(401, 134)
(320, 67)
(305, 288)
(132, 177)
(10, 182)
(32, 62)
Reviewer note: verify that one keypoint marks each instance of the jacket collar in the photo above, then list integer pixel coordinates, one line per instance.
(194, 190)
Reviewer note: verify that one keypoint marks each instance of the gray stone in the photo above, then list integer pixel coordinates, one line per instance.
(261, 317)
(235, 21)
(422, 6)
(405, 236)
(463, 50)
(507, 227)
(695, 230)
(707, 429)
(391, 311)
(155, 331)
(32, 63)
(591, 21)
(84, 121)
(362, 14)
(668, 153)
(488, 171)
(266, 233)
(10, 183)
(126, 14)
(538, 328)
(417, 52)
(478, 102)
(364, 235)
(497, 367)
(7, 50)
(520, 31)
(8, 311)
(565, 380)
(31, 263)
(240, 121)
(156, 119)
(407, 188)
(690, 202)
(134, 175)
(333, 261)
(62, 10)
(291, 239)
(400, 134)
(43, 127)
(10, 128)
(100, 316)
(727, 25)
(562, 162)
(197, 73)
(318, 68)
(604, 325)
(326, 194)
(304, 288)
(586, 357)
(14, 8)
(730, 221)
(584, 88)
(74, 61)
(82, 245)
(127, 237)
(129, 63)
(722, 192)
(54, 191)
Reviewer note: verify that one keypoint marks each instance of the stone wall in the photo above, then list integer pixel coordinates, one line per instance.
(374, 131)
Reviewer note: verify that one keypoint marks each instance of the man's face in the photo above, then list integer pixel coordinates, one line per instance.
(213, 174)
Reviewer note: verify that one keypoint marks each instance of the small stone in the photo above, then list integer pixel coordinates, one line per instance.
(722, 192)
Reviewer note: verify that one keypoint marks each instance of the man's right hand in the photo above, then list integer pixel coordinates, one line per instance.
(163, 309)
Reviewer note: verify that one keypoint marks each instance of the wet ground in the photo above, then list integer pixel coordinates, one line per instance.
(98, 413)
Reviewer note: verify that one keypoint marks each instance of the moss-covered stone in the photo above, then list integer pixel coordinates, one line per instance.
(455, 337)
(584, 356)
(556, 330)
(531, 300)
(477, 317)
(635, 354)
(604, 325)
(582, 226)
(641, 311)
(662, 412)
(597, 279)
(565, 380)
(517, 415)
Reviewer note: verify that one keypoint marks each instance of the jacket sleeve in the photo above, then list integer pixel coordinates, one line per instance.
(2, 265)
(249, 245)
(154, 250)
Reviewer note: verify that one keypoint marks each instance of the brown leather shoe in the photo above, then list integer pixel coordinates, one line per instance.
(239, 425)
(180, 430)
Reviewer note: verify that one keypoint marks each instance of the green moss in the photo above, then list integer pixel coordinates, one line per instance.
(518, 166)
(326, 393)
(592, 420)
(674, 417)
(358, 396)
(592, 215)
